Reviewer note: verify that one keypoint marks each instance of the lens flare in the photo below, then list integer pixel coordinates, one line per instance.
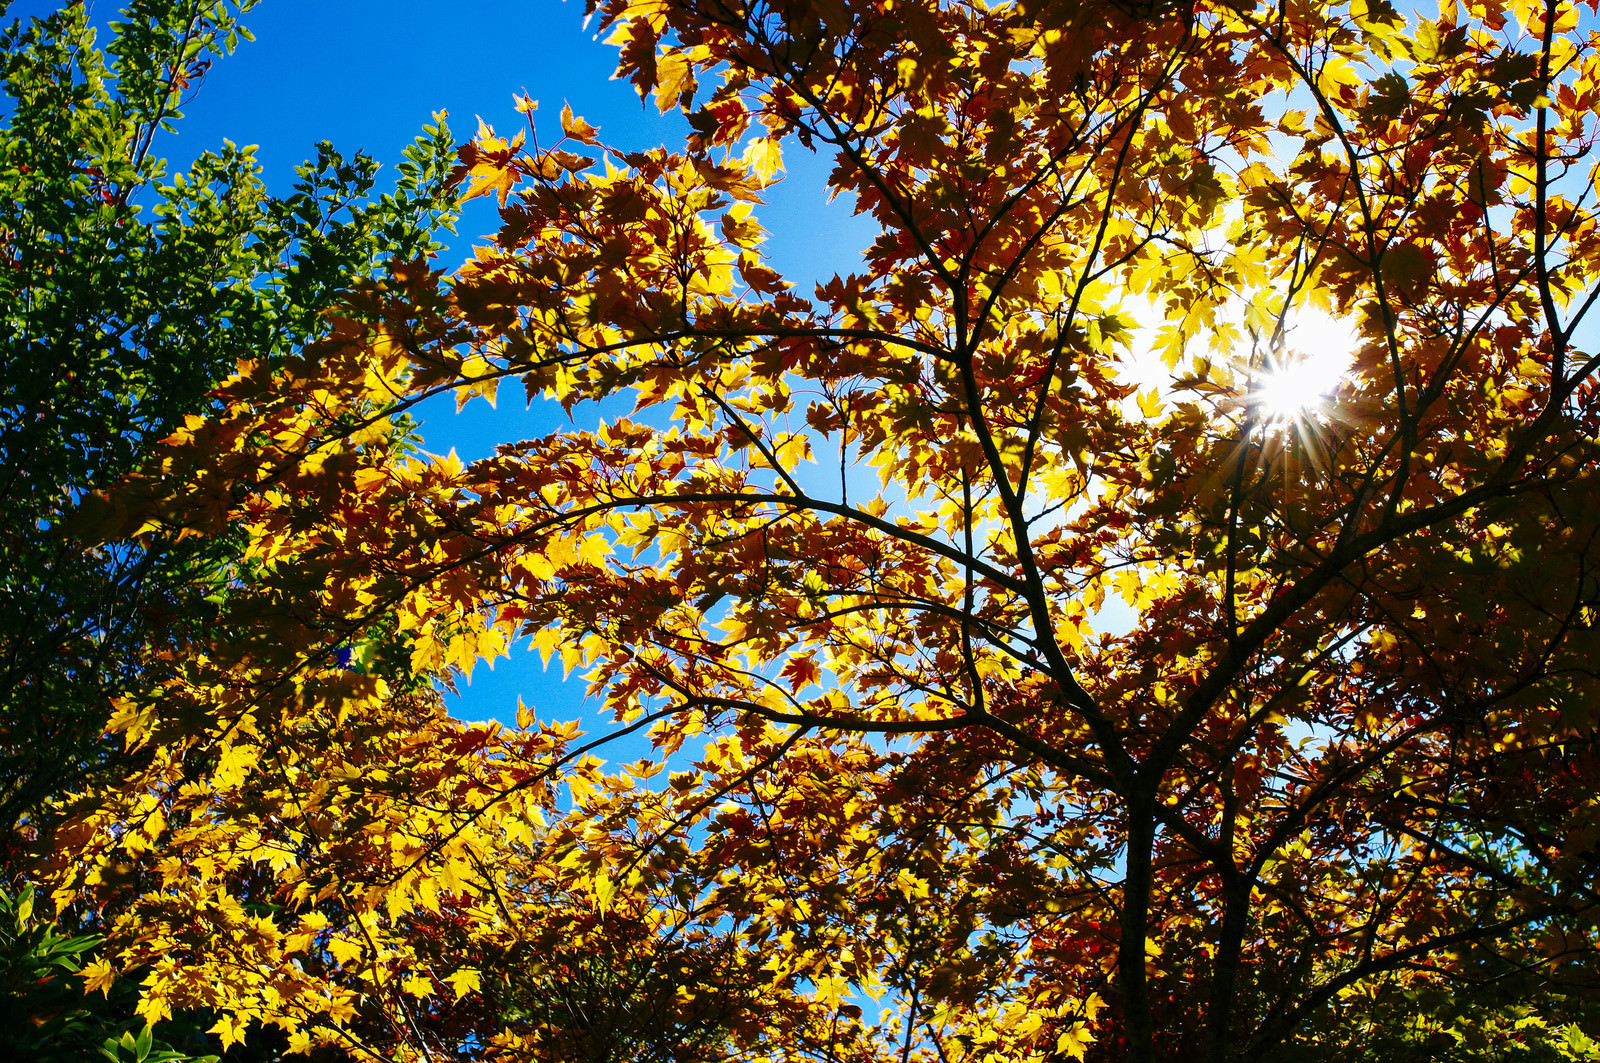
(1295, 383)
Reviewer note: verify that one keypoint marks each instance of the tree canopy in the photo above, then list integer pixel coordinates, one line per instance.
(1007, 701)
(126, 293)
(128, 290)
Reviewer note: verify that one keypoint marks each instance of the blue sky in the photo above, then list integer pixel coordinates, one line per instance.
(368, 74)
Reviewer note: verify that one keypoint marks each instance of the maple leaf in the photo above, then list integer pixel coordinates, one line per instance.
(230, 1029)
(490, 164)
(464, 981)
(577, 128)
(98, 975)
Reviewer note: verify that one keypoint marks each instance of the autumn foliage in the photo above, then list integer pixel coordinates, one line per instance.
(1004, 704)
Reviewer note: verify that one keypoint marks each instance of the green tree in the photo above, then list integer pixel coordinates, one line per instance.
(126, 292)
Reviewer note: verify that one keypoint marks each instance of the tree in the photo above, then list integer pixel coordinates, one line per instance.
(126, 294)
(922, 787)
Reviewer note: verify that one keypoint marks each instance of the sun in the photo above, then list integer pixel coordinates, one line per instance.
(1294, 383)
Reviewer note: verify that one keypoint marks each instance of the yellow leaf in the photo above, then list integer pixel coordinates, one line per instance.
(830, 990)
(1074, 1042)
(605, 890)
(230, 1028)
(545, 640)
(594, 550)
(132, 722)
(344, 950)
(674, 80)
(467, 980)
(577, 128)
(153, 1006)
(234, 766)
(98, 975)
(1338, 77)
(764, 157)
